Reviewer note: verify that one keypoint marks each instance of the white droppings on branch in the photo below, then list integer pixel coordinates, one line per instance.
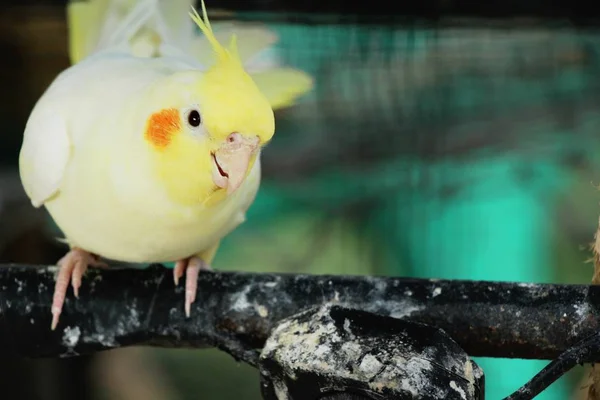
(71, 336)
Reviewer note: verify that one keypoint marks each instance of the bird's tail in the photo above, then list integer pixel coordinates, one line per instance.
(150, 28)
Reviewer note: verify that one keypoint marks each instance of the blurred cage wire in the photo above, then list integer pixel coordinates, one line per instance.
(404, 114)
(407, 120)
(386, 93)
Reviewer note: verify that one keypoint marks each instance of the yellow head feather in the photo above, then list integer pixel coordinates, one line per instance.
(224, 55)
(227, 86)
(229, 101)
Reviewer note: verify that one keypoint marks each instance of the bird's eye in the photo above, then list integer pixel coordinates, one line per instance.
(194, 118)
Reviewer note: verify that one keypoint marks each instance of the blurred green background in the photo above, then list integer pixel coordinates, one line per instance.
(457, 152)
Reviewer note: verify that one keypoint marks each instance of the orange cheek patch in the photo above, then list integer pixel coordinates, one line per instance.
(161, 127)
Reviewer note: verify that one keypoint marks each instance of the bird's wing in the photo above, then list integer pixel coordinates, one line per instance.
(44, 154)
(141, 27)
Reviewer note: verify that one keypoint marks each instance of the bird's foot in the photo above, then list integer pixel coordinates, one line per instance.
(71, 269)
(192, 267)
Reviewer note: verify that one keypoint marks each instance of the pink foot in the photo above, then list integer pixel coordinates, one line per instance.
(192, 267)
(71, 268)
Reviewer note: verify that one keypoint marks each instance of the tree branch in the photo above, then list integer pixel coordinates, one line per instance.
(236, 311)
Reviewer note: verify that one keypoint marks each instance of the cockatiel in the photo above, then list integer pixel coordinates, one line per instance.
(141, 153)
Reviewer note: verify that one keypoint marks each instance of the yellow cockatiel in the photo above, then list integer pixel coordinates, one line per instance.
(139, 151)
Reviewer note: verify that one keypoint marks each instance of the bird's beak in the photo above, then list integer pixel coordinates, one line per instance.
(231, 161)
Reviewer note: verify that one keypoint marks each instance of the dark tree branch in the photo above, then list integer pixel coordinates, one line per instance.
(236, 311)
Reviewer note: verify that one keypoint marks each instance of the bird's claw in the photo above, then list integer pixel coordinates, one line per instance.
(192, 267)
(71, 269)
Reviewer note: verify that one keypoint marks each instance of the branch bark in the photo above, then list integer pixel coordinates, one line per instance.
(237, 311)
(594, 388)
